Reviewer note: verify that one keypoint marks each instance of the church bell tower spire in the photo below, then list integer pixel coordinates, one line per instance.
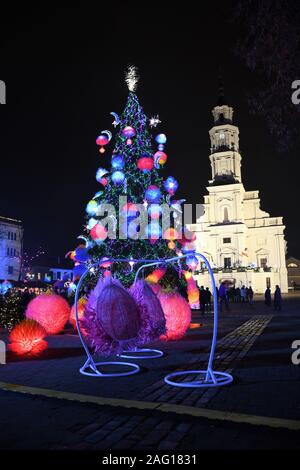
(224, 137)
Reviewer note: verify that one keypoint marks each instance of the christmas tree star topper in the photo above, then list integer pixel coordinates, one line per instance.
(132, 77)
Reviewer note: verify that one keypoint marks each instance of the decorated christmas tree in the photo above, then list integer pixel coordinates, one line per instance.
(135, 215)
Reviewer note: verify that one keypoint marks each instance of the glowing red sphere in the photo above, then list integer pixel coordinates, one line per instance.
(145, 164)
(28, 338)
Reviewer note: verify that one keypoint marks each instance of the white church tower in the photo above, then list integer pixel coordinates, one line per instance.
(243, 243)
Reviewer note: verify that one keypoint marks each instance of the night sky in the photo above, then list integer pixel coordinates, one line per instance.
(64, 72)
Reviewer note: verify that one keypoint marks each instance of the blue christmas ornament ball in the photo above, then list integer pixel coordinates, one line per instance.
(117, 162)
(118, 177)
(161, 139)
(153, 194)
(91, 208)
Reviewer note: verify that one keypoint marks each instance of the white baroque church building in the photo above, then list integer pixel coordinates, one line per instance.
(241, 241)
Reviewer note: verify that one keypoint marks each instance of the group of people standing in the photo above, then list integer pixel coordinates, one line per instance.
(227, 295)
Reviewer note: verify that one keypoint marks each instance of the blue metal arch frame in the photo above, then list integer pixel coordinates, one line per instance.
(207, 378)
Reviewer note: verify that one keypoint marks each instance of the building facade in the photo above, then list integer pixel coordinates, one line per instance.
(11, 245)
(293, 269)
(242, 242)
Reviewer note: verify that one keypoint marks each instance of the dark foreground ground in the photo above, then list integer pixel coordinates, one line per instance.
(47, 404)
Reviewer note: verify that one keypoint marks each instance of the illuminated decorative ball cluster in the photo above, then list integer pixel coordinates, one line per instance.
(118, 177)
(117, 162)
(153, 194)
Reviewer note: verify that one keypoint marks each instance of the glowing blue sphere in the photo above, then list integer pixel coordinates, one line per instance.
(161, 147)
(161, 139)
(118, 177)
(171, 185)
(91, 208)
(117, 162)
(153, 194)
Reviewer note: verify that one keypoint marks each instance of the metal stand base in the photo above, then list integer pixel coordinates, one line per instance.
(94, 372)
(207, 379)
(140, 354)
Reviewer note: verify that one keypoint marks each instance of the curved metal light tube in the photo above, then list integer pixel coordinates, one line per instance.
(211, 378)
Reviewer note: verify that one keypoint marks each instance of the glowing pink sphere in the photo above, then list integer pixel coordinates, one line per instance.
(177, 313)
(98, 232)
(50, 310)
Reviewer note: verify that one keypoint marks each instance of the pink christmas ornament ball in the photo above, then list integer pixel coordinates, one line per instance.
(50, 310)
(98, 232)
(177, 313)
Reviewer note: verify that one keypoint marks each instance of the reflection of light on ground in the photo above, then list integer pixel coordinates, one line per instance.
(194, 326)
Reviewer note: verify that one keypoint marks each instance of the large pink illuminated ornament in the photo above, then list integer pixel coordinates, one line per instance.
(177, 314)
(50, 310)
(98, 232)
(27, 338)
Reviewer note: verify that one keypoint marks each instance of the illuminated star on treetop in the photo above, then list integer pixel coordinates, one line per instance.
(132, 77)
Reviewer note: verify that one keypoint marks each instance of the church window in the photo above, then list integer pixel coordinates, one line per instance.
(226, 217)
(227, 263)
(226, 240)
(292, 265)
(268, 282)
(263, 262)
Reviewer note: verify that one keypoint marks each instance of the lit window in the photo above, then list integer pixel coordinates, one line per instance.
(292, 265)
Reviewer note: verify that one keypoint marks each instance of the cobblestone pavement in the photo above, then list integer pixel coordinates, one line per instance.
(255, 348)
